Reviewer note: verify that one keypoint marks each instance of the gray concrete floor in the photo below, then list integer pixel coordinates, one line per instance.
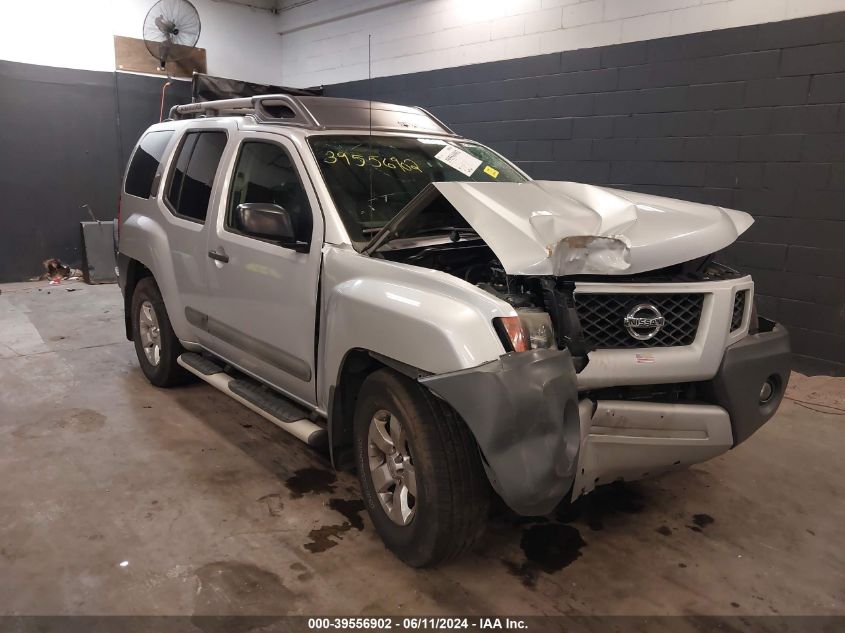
(119, 498)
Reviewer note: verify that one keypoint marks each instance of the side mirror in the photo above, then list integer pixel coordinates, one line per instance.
(265, 220)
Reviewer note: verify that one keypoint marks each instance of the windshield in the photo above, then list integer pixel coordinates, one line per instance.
(371, 178)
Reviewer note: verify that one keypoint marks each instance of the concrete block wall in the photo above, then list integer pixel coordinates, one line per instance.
(751, 118)
(326, 41)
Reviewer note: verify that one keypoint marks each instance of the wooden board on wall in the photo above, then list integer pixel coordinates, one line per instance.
(131, 54)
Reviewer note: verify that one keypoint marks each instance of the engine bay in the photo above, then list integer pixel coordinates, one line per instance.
(474, 262)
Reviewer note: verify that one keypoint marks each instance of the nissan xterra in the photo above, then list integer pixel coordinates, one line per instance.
(375, 284)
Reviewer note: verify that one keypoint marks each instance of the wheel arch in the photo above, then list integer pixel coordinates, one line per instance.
(357, 364)
(133, 272)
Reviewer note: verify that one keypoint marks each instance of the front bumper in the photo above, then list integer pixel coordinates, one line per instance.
(539, 439)
(745, 366)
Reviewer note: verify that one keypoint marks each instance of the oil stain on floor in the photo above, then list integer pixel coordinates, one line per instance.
(232, 588)
(274, 503)
(310, 480)
(548, 548)
(700, 522)
(72, 420)
(328, 536)
(351, 509)
(82, 421)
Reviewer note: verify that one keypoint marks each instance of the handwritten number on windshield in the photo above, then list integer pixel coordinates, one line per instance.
(357, 160)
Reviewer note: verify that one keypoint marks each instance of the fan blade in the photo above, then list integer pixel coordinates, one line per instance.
(165, 26)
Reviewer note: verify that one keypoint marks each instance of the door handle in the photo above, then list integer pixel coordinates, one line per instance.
(220, 257)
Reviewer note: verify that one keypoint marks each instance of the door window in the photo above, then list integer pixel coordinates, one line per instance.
(266, 173)
(189, 190)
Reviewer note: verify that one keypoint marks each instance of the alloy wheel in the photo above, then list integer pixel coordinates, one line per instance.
(391, 467)
(150, 333)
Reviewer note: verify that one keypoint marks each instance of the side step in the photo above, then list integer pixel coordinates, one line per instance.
(267, 403)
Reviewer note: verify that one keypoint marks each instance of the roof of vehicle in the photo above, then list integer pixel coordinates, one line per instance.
(319, 113)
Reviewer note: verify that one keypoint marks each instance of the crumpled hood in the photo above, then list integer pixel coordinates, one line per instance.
(563, 228)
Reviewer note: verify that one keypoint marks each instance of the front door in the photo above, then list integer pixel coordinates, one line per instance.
(262, 296)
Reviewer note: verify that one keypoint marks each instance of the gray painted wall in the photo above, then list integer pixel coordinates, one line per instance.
(65, 136)
(750, 118)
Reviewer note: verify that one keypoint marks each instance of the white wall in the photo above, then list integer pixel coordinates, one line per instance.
(326, 41)
(240, 42)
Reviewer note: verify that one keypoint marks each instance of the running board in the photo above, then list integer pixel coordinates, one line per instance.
(266, 403)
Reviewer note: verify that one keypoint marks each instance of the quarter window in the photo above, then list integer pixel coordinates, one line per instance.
(190, 185)
(266, 173)
(145, 163)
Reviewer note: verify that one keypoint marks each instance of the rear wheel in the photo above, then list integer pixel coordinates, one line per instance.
(156, 344)
(420, 471)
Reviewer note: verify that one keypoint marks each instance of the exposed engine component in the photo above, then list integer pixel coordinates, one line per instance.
(531, 296)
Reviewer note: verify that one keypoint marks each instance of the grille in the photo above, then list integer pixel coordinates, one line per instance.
(602, 316)
(739, 310)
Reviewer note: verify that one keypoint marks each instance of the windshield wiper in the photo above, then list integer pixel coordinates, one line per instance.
(445, 229)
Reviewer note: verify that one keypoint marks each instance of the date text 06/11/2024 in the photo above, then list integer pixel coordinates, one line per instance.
(418, 623)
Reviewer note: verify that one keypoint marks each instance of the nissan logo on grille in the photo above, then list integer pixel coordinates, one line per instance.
(644, 321)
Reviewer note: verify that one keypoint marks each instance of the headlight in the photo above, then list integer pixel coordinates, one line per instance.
(532, 329)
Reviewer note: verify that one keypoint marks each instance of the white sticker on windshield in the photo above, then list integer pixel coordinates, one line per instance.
(458, 159)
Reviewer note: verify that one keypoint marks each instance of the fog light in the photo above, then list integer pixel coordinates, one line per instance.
(766, 392)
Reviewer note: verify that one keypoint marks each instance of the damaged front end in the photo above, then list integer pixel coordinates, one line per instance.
(523, 411)
(631, 351)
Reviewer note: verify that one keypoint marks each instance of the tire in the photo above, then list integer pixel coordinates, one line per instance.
(448, 513)
(162, 370)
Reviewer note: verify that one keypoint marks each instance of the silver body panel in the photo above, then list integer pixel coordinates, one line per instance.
(634, 440)
(300, 314)
(265, 292)
(424, 318)
(523, 223)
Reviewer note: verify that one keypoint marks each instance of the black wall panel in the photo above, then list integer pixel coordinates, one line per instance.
(750, 118)
(139, 106)
(58, 151)
(65, 136)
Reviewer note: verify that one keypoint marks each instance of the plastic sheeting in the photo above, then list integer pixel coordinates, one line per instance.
(210, 88)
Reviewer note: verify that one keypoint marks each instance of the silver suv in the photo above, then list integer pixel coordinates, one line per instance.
(373, 283)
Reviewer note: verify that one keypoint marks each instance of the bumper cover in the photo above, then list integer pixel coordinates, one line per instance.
(745, 367)
(539, 440)
(627, 440)
(523, 411)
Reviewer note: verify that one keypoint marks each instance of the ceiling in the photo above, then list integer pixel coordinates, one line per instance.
(270, 4)
(260, 4)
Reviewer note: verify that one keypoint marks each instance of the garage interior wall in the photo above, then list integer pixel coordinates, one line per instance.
(68, 121)
(746, 114)
(748, 117)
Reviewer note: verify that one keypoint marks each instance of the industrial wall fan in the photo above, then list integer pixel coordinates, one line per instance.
(171, 29)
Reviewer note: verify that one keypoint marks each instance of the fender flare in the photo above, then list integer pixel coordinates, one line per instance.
(523, 411)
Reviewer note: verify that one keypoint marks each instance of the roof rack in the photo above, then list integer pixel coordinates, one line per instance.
(319, 113)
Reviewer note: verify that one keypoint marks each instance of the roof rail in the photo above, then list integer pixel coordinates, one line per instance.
(264, 108)
(319, 113)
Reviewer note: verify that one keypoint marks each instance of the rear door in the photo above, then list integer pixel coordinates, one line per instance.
(190, 190)
(262, 306)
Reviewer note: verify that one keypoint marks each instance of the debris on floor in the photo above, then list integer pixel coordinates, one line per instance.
(55, 270)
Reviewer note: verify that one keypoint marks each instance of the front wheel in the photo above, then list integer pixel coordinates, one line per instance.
(420, 471)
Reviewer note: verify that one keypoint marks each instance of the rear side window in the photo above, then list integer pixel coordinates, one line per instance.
(189, 189)
(145, 162)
